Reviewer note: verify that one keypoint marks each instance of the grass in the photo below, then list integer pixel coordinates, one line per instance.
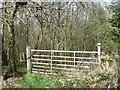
(37, 81)
(94, 79)
(22, 67)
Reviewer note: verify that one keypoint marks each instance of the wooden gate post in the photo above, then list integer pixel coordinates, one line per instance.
(99, 51)
(28, 54)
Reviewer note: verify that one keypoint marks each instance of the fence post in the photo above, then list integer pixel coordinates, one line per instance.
(28, 54)
(99, 51)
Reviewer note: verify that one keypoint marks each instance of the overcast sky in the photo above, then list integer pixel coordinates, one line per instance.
(107, 0)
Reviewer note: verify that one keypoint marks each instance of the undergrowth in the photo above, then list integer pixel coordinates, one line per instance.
(37, 81)
(94, 79)
(107, 78)
(22, 67)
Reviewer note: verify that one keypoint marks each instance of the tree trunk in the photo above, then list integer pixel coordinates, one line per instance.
(12, 53)
(1, 51)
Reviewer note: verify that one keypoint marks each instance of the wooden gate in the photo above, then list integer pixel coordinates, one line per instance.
(62, 62)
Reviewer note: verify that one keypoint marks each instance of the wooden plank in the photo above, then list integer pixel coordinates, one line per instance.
(28, 53)
(33, 50)
(99, 51)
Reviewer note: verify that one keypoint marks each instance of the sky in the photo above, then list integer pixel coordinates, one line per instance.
(107, 0)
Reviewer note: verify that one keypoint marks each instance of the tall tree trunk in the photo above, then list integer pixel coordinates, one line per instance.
(12, 52)
(12, 48)
(1, 49)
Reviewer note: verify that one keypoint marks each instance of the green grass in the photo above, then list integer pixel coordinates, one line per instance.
(22, 67)
(94, 79)
(37, 81)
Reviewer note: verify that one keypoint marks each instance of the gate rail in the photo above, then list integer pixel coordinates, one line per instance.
(47, 60)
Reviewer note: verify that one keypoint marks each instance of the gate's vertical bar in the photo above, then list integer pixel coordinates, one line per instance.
(74, 64)
(51, 61)
(99, 51)
(28, 54)
(65, 60)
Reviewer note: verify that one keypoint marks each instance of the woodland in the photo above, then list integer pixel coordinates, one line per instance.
(69, 26)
